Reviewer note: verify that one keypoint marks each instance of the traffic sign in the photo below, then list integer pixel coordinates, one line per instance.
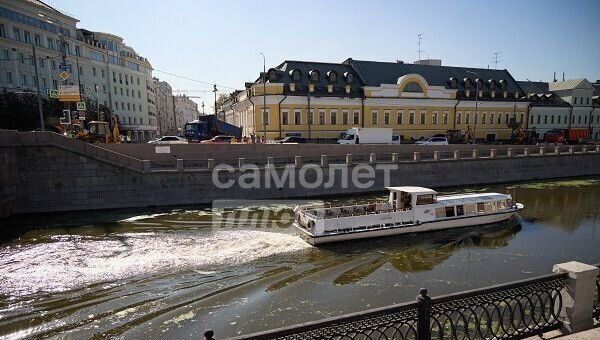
(81, 106)
(53, 93)
(68, 93)
(63, 67)
(64, 75)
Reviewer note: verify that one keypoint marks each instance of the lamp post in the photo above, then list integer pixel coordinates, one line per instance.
(215, 92)
(264, 110)
(309, 117)
(476, 106)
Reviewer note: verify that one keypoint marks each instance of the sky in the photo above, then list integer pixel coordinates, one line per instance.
(221, 41)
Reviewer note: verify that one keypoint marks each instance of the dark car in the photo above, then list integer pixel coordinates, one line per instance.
(292, 140)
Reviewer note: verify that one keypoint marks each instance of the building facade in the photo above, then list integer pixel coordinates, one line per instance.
(186, 110)
(165, 108)
(323, 100)
(104, 67)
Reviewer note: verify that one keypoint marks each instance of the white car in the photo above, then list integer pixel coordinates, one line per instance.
(433, 141)
(169, 140)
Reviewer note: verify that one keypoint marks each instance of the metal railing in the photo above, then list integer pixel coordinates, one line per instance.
(508, 311)
(596, 310)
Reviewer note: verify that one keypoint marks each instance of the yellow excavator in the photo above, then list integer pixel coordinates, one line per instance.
(456, 136)
(99, 132)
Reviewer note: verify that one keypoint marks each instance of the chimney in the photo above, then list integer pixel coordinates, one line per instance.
(554, 77)
(563, 76)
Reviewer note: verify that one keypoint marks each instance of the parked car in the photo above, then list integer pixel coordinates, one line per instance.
(221, 139)
(168, 140)
(433, 141)
(396, 140)
(291, 140)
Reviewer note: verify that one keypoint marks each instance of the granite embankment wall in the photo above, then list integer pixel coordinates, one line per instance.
(45, 172)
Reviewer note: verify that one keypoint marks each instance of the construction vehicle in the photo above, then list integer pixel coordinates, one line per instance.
(456, 136)
(522, 136)
(208, 127)
(567, 136)
(98, 132)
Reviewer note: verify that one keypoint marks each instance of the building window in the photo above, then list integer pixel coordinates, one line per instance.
(128, 106)
(458, 118)
(102, 73)
(558, 119)
(9, 77)
(127, 92)
(491, 118)
(94, 71)
(468, 118)
(321, 117)
(412, 87)
(54, 84)
(545, 119)
(2, 31)
(345, 117)
(433, 118)
(356, 119)
(483, 117)
(140, 107)
(445, 117)
(521, 117)
(31, 61)
(80, 70)
(53, 64)
(139, 94)
(50, 43)
(574, 100)
(386, 117)
(507, 118)
(585, 120)
(422, 121)
(284, 118)
(309, 117)
(121, 90)
(552, 119)
(531, 119)
(476, 117)
(16, 34)
(36, 40)
(399, 117)
(23, 80)
(122, 106)
(297, 117)
(374, 117)
(6, 54)
(411, 117)
(333, 117)
(21, 57)
(41, 61)
(588, 100)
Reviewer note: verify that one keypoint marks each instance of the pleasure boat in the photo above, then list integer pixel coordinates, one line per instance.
(408, 210)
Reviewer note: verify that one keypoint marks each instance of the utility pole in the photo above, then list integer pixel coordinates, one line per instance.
(215, 91)
(39, 90)
(264, 110)
(203, 108)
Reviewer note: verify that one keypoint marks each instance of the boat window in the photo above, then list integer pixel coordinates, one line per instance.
(480, 208)
(450, 211)
(440, 212)
(490, 207)
(470, 209)
(460, 210)
(501, 205)
(425, 199)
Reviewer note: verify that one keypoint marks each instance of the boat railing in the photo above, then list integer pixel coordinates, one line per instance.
(351, 210)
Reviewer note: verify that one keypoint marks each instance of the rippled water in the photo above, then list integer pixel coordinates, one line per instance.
(170, 273)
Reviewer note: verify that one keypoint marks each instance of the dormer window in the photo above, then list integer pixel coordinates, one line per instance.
(314, 76)
(453, 82)
(413, 87)
(272, 74)
(467, 82)
(332, 77)
(296, 75)
(503, 85)
(349, 78)
(479, 83)
(492, 84)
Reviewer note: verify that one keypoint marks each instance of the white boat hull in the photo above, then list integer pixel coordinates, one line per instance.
(413, 228)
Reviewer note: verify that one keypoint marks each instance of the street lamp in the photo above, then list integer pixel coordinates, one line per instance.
(476, 106)
(264, 110)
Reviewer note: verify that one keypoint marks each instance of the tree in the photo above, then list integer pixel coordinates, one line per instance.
(221, 99)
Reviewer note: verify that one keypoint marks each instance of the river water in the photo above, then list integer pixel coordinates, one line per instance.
(173, 273)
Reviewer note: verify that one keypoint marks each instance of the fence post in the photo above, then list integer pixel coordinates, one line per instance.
(557, 150)
(542, 150)
(577, 296)
(209, 335)
(298, 161)
(179, 164)
(324, 162)
(395, 157)
(525, 152)
(492, 153)
(509, 152)
(598, 148)
(372, 159)
(584, 149)
(571, 150)
(424, 313)
(456, 154)
(211, 164)
(417, 156)
(474, 153)
(147, 165)
(436, 155)
(348, 159)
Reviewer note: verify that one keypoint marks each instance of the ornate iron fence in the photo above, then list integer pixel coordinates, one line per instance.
(508, 311)
(596, 310)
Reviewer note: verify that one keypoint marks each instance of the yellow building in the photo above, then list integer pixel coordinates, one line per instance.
(323, 100)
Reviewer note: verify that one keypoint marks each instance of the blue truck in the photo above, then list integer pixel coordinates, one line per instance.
(209, 126)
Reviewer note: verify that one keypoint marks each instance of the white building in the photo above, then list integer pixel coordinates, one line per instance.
(165, 108)
(103, 66)
(186, 110)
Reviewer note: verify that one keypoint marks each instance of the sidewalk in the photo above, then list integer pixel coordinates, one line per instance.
(590, 334)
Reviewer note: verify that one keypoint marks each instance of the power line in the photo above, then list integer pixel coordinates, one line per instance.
(194, 80)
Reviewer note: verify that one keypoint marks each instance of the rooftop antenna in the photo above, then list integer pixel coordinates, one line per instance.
(420, 36)
(496, 60)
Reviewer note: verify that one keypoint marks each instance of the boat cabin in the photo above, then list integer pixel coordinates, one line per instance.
(407, 198)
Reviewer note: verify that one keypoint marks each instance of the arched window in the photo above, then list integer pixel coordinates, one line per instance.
(412, 87)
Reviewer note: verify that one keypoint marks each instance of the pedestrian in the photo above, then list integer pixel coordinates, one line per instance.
(357, 140)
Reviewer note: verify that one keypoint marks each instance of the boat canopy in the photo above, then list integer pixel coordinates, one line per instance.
(413, 190)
